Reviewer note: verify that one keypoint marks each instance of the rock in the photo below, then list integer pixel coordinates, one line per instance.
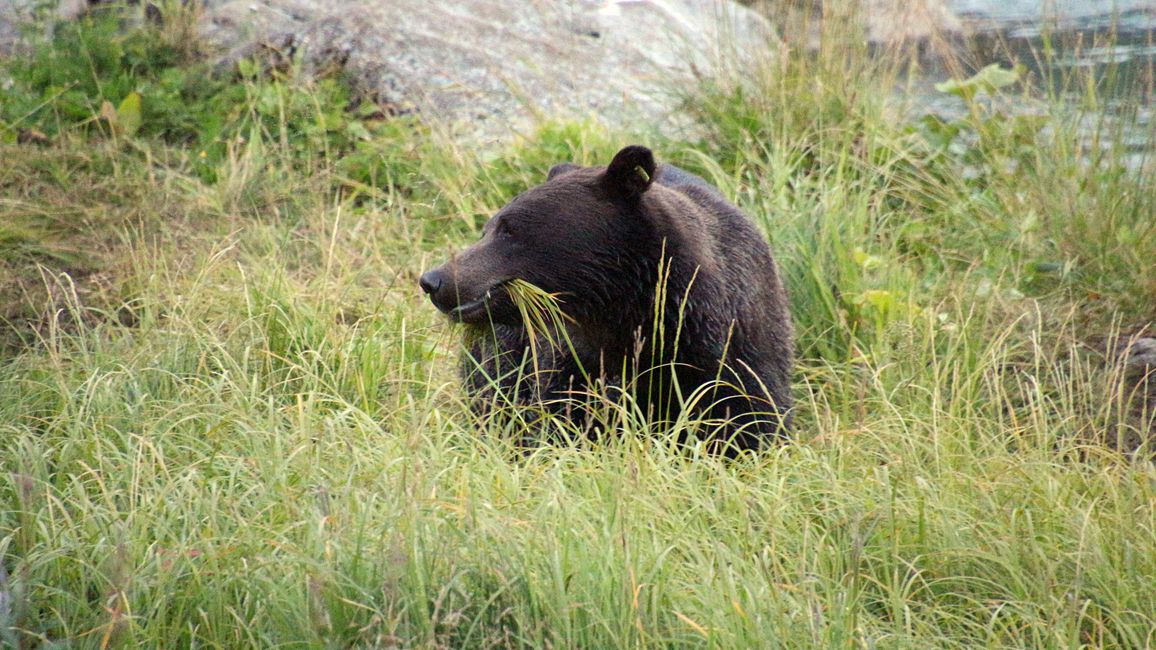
(486, 66)
(902, 21)
(1140, 357)
(489, 66)
(6, 598)
(17, 15)
(883, 22)
(13, 14)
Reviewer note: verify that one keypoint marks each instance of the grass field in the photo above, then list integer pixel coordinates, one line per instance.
(229, 418)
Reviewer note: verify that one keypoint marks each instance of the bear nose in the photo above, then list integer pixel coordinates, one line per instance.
(430, 281)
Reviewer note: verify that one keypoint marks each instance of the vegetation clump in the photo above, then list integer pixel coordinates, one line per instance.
(229, 418)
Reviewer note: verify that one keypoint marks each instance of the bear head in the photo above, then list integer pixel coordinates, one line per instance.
(583, 235)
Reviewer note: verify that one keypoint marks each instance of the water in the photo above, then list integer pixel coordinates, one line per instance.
(1114, 40)
(1136, 14)
(1097, 56)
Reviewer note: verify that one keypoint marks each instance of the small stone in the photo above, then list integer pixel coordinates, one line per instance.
(1141, 355)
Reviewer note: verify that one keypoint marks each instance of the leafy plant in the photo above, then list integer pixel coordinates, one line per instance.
(105, 78)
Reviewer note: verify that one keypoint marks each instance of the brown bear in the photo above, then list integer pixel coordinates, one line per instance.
(667, 291)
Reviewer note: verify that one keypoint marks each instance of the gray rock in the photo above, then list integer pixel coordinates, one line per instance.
(902, 21)
(13, 14)
(17, 16)
(487, 67)
(490, 67)
(892, 23)
(1140, 356)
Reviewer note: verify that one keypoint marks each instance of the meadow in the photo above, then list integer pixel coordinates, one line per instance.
(229, 418)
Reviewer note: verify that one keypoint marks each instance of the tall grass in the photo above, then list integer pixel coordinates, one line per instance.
(259, 439)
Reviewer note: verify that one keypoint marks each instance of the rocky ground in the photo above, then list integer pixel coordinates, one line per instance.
(485, 66)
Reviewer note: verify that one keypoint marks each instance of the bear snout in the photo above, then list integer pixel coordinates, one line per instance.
(462, 303)
(431, 281)
(439, 286)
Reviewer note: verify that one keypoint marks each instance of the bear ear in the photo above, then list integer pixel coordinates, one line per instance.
(561, 168)
(630, 173)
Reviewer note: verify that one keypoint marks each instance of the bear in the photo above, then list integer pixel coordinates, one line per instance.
(666, 291)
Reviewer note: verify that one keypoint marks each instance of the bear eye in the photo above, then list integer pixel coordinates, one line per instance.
(504, 228)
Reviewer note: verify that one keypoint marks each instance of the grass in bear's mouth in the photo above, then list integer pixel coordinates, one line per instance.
(540, 309)
(541, 314)
(274, 449)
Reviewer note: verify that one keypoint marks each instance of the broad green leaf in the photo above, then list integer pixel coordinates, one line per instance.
(128, 114)
(988, 80)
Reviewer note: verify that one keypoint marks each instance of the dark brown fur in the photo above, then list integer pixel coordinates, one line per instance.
(610, 241)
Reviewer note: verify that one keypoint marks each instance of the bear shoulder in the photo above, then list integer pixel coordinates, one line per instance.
(672, 176)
